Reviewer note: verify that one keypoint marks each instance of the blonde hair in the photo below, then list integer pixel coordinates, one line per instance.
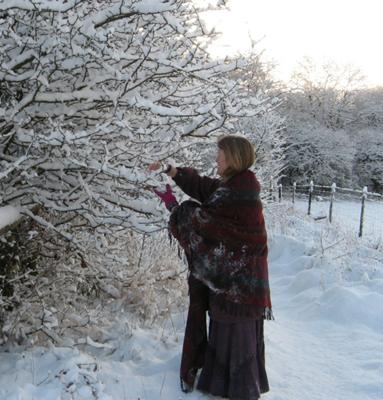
(239, 154)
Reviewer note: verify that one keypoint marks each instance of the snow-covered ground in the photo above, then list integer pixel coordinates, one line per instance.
(8, 215)
(326, 342)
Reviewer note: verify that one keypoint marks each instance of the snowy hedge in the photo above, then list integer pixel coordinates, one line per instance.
(91, 92)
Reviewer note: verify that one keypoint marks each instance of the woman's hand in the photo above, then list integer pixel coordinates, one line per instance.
(154, 166)
(169, 170)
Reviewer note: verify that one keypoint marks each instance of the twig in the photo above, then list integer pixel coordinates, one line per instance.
(163, 382)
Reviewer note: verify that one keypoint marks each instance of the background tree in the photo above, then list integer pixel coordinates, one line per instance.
(325, 92)
(367, 133)
(369, 108)
(321, 114)
(317, 153)
(369, 158)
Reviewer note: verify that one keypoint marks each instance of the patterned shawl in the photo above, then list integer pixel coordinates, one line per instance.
(225, 239)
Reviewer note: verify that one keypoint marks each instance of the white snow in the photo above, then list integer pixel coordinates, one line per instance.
(325, 344)
(8, 215)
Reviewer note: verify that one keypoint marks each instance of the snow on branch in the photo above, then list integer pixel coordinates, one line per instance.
(20, 61)
(45, 223)
(92, 92)
(12, 167)
(39, 5)
(122, 10)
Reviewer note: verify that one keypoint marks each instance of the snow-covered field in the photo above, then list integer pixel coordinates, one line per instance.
(326, 342)
(347, 214)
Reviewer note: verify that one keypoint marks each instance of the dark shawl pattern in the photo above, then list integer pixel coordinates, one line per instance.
(225, 239)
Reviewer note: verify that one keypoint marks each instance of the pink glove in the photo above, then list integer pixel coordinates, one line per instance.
(167, 197)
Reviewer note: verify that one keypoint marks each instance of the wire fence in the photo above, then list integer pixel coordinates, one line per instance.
(311, 192)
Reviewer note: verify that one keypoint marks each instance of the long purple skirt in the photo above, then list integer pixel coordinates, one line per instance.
(235, 360)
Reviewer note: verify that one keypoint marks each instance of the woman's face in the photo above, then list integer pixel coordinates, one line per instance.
(221, 162)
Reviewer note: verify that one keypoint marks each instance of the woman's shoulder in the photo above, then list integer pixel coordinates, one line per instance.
(245, 180)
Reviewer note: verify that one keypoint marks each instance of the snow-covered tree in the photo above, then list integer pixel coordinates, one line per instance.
(321, 113)
(369, 158)
(319, 153)
(325, 92)
(369, 108)
(91, 92)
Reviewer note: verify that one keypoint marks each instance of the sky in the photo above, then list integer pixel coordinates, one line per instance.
(340, 31)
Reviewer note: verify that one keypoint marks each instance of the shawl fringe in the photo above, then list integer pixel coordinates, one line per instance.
(268, 314)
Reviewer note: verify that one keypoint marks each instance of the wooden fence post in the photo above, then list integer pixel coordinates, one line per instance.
(364, 197)
(280, 192)
(333, 189)
(310, 196)
(294, 190)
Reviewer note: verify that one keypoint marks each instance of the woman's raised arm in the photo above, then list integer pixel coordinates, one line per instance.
(196, 186)
(190, 182)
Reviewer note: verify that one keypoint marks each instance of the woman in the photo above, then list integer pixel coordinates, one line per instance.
(224, 238)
